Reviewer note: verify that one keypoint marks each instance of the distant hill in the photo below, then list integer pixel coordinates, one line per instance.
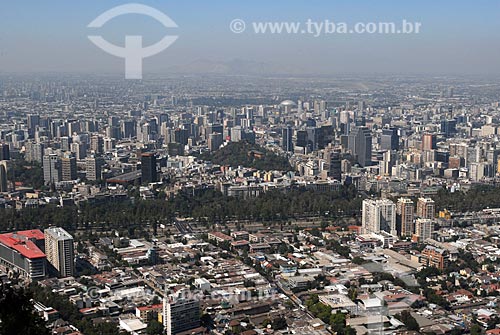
(247, 155)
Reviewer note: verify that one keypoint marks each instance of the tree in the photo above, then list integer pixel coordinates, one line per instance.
(475, 329)
(279, 323)
(409, 321)
(17, 313)
(154, 328)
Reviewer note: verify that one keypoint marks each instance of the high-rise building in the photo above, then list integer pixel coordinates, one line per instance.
(389, 140)
(79, 149)
(286, 139)
(405, 215)
(215, 140)
(68, 167)
(424, 229)
(148, 168)
(33, 122)
(449, 127)
(334, 165)
(51, 169)
(429, 142)
(180, 315)
(426, 208)
(59, 249)
(96, 144)
(3, 176)
(34, 152)
(94, 167)
(379, 215)
(360, 144)
(4, 152)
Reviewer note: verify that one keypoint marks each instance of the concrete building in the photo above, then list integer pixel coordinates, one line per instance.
(22, 252)
(60, 251)
(379, 215)
(426, 208)
(180, 315)
(68, 167)
(424, 229)
(405, 216)
(3, 176)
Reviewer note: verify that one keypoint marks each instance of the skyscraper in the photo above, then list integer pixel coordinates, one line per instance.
(68, 167)
(94, 167)
(3, 176)
(405, 215)
(379, 215)
(426, 208)
(4, 152)
(286, 139)
(60, 251)
(360, 144)
(215, 140)
(334, 165)
(429, 142)
(148, 168)
(389, 140)
(51, 169)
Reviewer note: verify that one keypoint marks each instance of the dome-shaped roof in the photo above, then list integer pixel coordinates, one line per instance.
(287, 103)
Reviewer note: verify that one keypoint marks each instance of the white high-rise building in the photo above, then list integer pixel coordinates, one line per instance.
(180, 314)
(59, 249)
(424, 229)
(379, 215)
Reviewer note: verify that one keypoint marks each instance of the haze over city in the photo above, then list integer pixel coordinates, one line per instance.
(456, 37)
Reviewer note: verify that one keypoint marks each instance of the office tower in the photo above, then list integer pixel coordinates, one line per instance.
(94, 167)
(96, 144)
(237, 134)
(3, 176)
(79, 149)
(389, 140)
(4, 152)
(128, 129)
(33, 122)
(51, 169)
(181, 136)
(449, 127)
(387, 162)
(405, 213)
(426, 208)
(215, 140)
(360, 144)
(113, 121)
(34, 152)
(429, 142)
(65, 143)
(180, 315)
(424, 229)
(59, 251)
(148, 168)
(301, 138)
(286, 139)
(212, 129)
(379, 215)
(68, 167)
(334, 165)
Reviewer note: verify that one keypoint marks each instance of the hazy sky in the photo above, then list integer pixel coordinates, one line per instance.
(456, 36)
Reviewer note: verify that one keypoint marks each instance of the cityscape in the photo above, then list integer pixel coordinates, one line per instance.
(240, 198)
